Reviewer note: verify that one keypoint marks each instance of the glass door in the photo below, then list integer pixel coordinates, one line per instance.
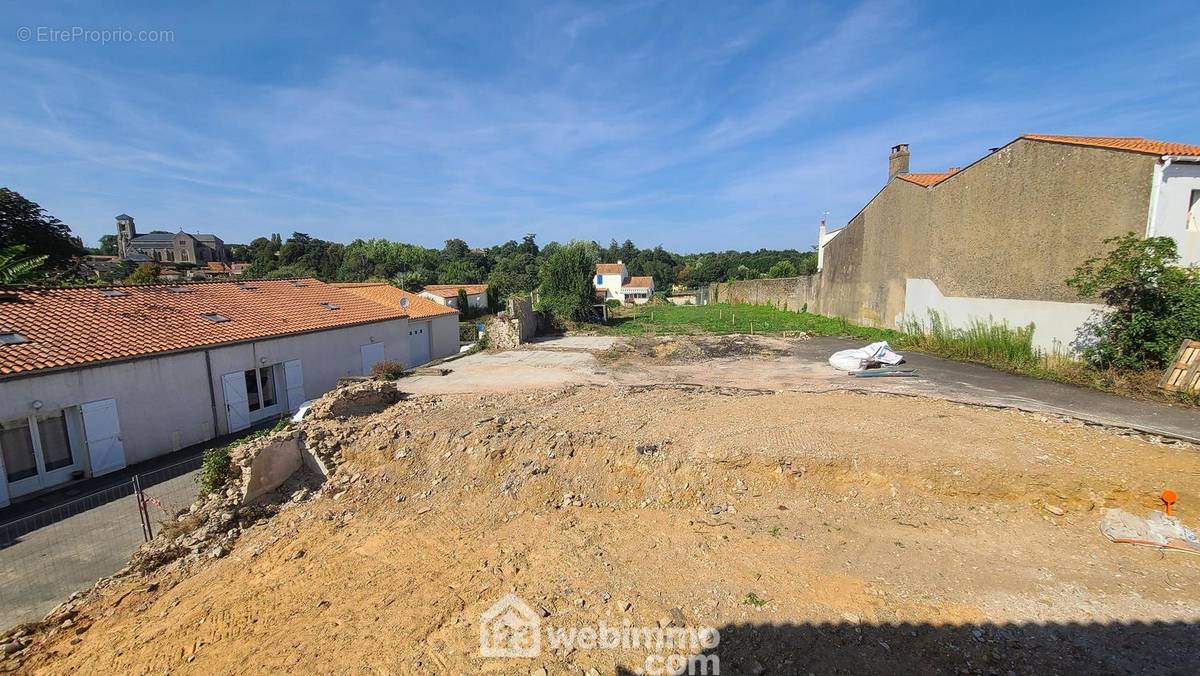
(20, 457)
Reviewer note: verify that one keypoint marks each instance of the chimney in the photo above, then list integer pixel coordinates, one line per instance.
(898, 161)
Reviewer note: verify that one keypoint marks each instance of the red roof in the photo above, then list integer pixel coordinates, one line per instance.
(75, 326)
(451, 290)
(639, 282)
(386, 294)
(928, 179)
(1135, 144)
(609, 268)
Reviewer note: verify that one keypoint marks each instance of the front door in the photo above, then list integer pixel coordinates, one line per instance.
(372, 354)
(418, 343)
(237, 408)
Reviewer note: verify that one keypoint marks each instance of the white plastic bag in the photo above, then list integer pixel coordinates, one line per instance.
(856, 359)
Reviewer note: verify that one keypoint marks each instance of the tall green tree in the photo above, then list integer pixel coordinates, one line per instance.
(108, 245)
(24, 223)
(565, 289)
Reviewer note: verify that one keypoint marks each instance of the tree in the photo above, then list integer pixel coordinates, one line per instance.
(464, 303)
(566, 290)
(146, 273)
(108, 245)
(16, 267)
(24, 223)
(783, 268)
(459, 272)
(1154, 304)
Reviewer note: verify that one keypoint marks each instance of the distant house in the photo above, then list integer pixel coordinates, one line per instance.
(447, 294)
(164, 247)
(94, 379)
(613, 282)
(432, 328)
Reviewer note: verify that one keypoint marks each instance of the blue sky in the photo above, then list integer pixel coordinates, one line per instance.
(697, 125)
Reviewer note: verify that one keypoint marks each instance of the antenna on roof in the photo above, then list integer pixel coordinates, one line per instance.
(403, 303)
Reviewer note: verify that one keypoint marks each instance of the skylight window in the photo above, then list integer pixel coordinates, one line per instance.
(299, 284)
(12, 338)
(179, 289)
(215, 317)
(329, 306)
(113, 293)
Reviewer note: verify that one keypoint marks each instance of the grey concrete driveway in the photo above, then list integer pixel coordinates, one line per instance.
(557, 361)
(43, 567)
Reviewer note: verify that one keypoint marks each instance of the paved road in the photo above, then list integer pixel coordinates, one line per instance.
(42, 568)
(974, 383)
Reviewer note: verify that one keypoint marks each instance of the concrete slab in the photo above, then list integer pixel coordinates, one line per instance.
(591, 343)
(806, 370)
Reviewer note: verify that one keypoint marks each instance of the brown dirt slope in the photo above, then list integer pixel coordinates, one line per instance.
(816, 532)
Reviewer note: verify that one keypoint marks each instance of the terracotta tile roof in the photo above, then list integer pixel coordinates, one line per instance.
(388, 295)
(639, 282)
(609, 268)
(451, 290)
(928, 179)
(1135, 144)
(71, 327)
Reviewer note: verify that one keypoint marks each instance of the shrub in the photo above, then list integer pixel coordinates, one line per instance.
(612, 304)
(468, 332)
(783, 268)
(388, 369)
(566, 287)
(1154, 304)
(214, 469)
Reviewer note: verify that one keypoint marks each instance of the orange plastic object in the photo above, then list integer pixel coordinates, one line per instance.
(1168, 496)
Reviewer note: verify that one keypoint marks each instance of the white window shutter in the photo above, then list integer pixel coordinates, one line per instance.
(293, 377)
(237, 405)
(102, 431)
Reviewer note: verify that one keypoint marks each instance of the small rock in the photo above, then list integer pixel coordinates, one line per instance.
(12, 647)
(1055, 510)
(299, 554)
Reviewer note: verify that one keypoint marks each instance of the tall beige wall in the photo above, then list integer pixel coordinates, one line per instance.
(1014, 225)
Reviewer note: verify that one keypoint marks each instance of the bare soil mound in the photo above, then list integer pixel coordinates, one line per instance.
(819, 533)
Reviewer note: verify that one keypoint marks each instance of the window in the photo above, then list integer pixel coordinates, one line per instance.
(113, 293)
(215, 317)
(260, 388)
(16, 442)
(329, 306)
(56, 444)
(12, 338)
(1193, 217)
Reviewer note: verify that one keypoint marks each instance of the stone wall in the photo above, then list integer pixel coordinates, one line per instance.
(785, 293)
(518, 324)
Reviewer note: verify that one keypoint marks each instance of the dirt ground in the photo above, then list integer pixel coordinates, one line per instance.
(822, 533)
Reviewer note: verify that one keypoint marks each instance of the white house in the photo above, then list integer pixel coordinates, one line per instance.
(432, 328)
(613, 282)
(94, 379)
(447, 294)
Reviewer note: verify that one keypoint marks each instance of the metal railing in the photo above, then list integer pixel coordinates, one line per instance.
(46, 556)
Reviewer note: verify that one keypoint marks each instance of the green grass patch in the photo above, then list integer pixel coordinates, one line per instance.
(722, 319)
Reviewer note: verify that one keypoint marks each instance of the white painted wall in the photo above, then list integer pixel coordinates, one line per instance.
(443, 340)
(326, 356)
(1055, 324)
(611, 284)
(1169, 217)
(475, 300)
(163, 402)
